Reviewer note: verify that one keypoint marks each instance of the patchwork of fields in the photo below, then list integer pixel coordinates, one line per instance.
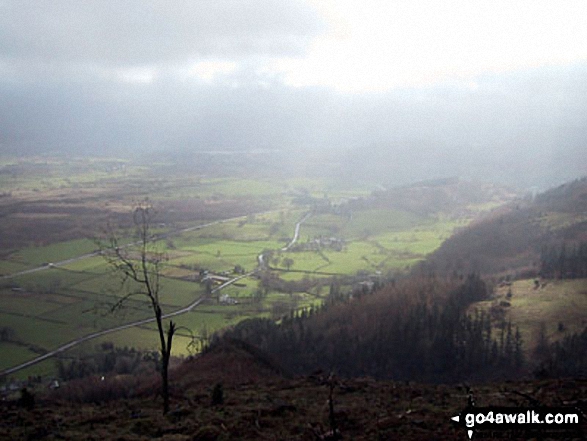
(66, 290)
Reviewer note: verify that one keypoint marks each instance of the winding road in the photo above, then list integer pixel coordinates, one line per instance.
(97, 253)
(296, 232)
(183, 310)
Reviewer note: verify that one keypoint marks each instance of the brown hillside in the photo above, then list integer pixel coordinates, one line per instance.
(509, 240)
(265, 406)
(229, 363)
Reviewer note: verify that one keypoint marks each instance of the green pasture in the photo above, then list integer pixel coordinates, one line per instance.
(322, 225)
(37, 302)
(204, 319)
(422, 239)
(101, 287)
(32, 330)
(180, 293)
(357, 256)
(51, 280)
(375, 222)
(559, 301)
(49, 319)
(240, 292)
(18, 354)
(296, 275)
(11, 267)
(217, 263)
(177, 272)
(210, 320)
(29, 304)
(189, 241)
(59, 304)
(223, 255)
(45, 368)
(308, 261)
(92, 315)
(409, 243)
(257, 229)
(236, 248)
(143, 338)
(400, 244)
(94, 264)
(232, 243)
(36, 256)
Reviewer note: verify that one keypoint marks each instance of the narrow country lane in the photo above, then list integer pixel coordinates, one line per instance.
(183, 310)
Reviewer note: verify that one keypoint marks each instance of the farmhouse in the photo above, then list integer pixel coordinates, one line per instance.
(215, 278)
(321, 243)
(225, 299)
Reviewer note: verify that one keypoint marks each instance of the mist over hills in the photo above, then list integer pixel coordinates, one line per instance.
(388, 94)
(525, 128)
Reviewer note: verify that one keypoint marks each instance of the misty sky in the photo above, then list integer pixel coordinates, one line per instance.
(436, 87)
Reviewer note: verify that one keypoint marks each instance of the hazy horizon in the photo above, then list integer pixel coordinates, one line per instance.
(401, 91)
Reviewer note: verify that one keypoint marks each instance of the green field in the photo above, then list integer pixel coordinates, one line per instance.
(66, 300)
(375, 240)
(18, 354)
(53, 253)
(51, 307)
(558, 302)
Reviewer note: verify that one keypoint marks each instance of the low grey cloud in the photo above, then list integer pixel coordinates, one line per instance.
(106, 77)
(136, 32)
(503, 130)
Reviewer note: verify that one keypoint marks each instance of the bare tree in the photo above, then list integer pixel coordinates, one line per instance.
(139, 264)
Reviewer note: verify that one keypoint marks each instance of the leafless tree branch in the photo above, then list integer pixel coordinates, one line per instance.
(141, 263)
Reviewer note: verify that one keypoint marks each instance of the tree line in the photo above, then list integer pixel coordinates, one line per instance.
(564, 261)
(564, 358)
(108, 360)
(415, 329)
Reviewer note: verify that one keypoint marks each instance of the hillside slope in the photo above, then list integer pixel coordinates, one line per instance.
(273, 407)
(429, 326)
(510, 239)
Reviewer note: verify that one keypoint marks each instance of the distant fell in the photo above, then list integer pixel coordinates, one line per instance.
(509, 240)
(452, 196)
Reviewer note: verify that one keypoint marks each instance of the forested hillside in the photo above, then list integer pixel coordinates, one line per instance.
(512, 239)
(426, 326)
(413, 329)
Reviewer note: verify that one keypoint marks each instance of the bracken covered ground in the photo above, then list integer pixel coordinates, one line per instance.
(262, 404)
